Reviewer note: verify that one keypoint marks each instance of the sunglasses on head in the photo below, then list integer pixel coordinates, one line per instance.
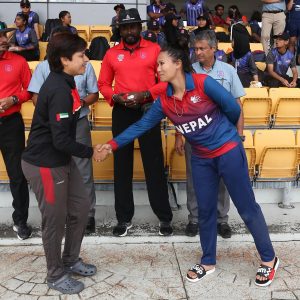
(25, 6)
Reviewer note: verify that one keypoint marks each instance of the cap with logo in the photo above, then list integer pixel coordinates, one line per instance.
(129, 16)
(3, 28)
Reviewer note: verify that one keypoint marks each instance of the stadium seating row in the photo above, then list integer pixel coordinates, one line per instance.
(273, 155)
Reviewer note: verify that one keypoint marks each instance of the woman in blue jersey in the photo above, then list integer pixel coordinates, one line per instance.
(24, 40)
(206, 114)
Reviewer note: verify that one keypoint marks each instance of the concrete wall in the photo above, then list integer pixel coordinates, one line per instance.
(99, 11)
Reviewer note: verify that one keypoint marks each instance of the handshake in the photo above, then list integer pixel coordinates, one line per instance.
(101, 152)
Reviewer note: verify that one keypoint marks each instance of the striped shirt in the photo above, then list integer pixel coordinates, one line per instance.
(194, 10)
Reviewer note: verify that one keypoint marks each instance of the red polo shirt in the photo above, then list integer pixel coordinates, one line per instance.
(132, 71)
(15, 77)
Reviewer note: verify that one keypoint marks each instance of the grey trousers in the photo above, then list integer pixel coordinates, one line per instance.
(85, 166)
(62, 201)
(223, 201)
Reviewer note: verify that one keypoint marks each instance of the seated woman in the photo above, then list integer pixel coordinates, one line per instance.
(66, 20)
(235, 16)
(51, 171)
(24, 40)
(241, 57)
(206, 114)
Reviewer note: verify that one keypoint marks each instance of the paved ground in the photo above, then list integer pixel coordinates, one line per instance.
(154, 270)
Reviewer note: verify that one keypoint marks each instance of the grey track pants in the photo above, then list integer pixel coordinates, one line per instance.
(62, 200)
(223, 201)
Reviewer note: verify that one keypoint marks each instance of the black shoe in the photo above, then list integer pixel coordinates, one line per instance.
(90, 227)
(23, 231)
(121, 229)
(224, 230)
(191, 229)
(165, 228)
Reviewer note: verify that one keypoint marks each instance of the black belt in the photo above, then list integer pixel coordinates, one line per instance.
(6, 118)
(273, 11)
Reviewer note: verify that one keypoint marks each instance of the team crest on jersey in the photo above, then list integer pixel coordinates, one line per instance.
(120, 57)
(220, 74)
(195, 99)
(143, 55)
(8, 68)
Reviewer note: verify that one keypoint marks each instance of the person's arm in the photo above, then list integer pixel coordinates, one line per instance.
(223, 98)
(61, 102)
(253, 68)
(24, 95)
(36, 21)
(91, 86)
(294, 72)
(149, 120)
(34, 98)
(105, 80)
(290, 4)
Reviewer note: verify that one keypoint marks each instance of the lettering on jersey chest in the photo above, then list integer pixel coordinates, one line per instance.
(193, 126)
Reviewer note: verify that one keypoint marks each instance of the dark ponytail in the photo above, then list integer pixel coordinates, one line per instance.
(180, 51)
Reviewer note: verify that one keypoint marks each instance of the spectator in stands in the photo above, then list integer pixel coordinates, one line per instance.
(155, 11)
(114, 23)
(171, 29)
(241, 57)
(273, 18)
(293, 24)
(235, 16)
(221, 55)
(205, 45)
(203, 24)
(50, 170)
(124, 64)
(66, 20)
(255, 25)
(195, 8)
(24, 40)
(206, 114)
(154, 34)
(88, 91)
(15, 75)
(279, 60)
(217, 17)
(33, 17)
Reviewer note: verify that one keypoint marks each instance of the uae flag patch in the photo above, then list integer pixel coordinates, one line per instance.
(62, 116)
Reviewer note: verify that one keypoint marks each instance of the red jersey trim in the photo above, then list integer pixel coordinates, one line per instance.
(217, 152)
(114, 145)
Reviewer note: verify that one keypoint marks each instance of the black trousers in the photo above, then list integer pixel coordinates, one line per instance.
(12, 144)
(152, 157)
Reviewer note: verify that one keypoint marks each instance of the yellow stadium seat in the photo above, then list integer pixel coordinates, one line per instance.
(3, 173)
(226, 47)
(32, 65)
(256, 46)
(100, 30)
(104, 171)
(298, 137)
(27, 110)
(97, 66)
(221, 29)
(250, 152)
(261, 65)
(101, 114)
(43, 50)
(277, 156)
(138, 169)
(286, 107)
(112, 44)
(175, 162)
(257, 107)
(83, 31)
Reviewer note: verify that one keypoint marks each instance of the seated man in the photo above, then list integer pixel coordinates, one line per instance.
(278, 61)
(24, 40)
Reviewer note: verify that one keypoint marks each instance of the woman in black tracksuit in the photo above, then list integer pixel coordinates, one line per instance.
(48, 166)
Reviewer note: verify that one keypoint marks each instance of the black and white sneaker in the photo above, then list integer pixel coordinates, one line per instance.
(121, 229)
(23, 231)
(165, 229)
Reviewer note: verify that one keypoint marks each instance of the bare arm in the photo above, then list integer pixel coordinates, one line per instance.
(91, 99)
(270, 68)
(34, 98)
(36, 29)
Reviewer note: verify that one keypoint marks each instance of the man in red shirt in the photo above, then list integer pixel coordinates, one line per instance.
(132, 64)
(217, 17)
(15, 75)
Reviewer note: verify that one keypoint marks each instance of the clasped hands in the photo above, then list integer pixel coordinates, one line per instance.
(101, 152)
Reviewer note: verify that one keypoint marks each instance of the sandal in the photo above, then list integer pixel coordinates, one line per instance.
(81, 268)
(267, 272)
(199, 271)
(66, 285)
